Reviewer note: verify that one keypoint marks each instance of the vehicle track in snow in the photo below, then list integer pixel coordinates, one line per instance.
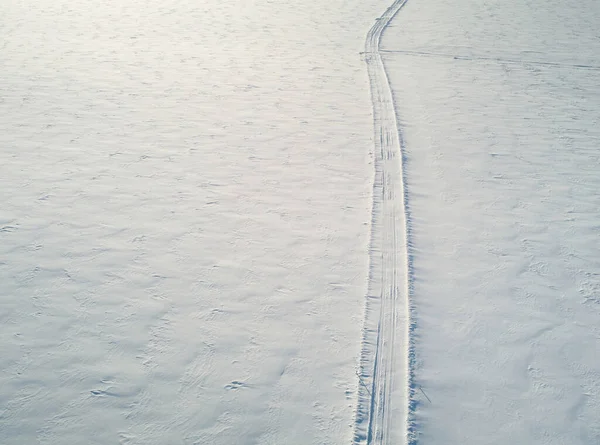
(386, 392)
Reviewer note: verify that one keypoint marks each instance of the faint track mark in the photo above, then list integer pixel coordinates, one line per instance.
(475, 58)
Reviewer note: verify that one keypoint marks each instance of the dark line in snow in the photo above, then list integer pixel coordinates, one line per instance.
(490, 59)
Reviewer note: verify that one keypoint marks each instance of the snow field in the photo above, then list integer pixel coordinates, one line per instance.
(185, 207)
(498, 108)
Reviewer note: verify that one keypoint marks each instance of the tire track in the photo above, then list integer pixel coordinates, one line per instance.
(383, 415)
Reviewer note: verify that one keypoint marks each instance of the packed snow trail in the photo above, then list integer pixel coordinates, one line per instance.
(383, 411)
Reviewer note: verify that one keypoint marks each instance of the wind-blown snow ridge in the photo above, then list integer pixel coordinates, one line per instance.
(386, 390)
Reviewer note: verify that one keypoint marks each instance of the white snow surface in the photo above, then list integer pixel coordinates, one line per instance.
(198, 199)
(184, 220)
(498, 104)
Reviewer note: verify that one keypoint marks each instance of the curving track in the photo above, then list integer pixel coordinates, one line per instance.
(383, 414)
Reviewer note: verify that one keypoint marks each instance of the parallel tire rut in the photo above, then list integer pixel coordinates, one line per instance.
(385, 361)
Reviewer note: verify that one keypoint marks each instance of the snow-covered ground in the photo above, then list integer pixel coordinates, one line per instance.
(498, 104)
(184, 220)
(189, 227)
